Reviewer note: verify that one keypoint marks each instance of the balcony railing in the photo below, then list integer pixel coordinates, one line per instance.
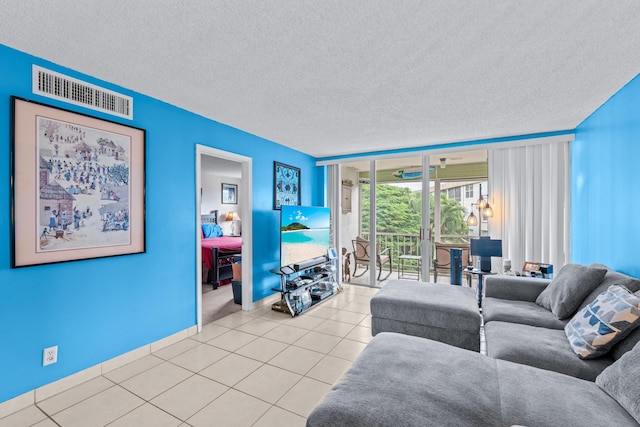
(409, 244)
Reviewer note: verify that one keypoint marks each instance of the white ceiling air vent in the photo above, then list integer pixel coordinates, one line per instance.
(64, 88)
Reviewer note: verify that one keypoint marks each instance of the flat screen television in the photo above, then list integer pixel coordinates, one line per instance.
(304, 233)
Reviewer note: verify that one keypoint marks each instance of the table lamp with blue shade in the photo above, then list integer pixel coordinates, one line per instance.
(485, 248)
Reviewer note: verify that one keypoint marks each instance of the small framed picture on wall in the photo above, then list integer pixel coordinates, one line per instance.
(286, 185)
(229, 194)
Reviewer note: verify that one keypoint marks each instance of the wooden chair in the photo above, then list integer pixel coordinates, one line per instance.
(442, 261)
(361, 251)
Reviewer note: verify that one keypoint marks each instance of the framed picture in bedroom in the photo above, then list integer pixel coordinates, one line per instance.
(229, 194)
(286, 185)
(77, 188)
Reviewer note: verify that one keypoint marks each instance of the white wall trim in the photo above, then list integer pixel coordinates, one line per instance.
(245, 190)
(39, 394)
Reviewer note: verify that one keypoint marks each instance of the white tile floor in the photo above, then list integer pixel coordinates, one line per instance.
(258, 368)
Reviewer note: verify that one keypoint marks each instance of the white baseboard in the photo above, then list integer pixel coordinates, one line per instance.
(46, 391)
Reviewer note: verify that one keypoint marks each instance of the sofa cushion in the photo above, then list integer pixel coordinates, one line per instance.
(517, 288)
(401, 380)
(537, 397)
(404, 380)
(441, 312)
(622, 381)
(446, 306)
(611, 278)
(540, 347)
(567, 290)
(607, 320)
(524, 312)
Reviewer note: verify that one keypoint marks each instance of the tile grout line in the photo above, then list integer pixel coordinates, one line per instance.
(321, 316)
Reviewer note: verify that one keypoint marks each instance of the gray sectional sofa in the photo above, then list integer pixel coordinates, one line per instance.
(519, 330)
(530, 374)
(401, 380)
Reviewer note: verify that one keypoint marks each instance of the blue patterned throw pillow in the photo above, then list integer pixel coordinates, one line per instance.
(607, 320)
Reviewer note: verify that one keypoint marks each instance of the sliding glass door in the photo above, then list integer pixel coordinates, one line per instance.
(393, 213)
(381, 221)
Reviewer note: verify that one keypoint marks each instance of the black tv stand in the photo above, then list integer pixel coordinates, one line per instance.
(306, 284)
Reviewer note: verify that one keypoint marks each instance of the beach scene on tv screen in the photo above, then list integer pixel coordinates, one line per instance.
(304, 233)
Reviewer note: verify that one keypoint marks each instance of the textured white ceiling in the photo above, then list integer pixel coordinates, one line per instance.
(336, 77)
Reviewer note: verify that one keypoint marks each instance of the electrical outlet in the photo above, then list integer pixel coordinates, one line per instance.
(50, 355)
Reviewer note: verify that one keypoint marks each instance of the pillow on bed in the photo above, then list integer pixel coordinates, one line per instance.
(211, 230)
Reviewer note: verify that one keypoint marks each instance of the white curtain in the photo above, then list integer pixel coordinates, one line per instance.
(529, 193)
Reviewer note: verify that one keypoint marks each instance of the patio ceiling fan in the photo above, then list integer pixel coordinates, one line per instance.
(443, 161)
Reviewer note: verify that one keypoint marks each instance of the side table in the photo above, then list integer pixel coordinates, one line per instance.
(480, 275)
(414, 261)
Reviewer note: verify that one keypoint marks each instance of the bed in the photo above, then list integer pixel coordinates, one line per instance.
(218, 253)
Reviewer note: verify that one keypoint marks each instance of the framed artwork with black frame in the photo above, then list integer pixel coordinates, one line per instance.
(229, 194)
(286, 185)
(78, 186)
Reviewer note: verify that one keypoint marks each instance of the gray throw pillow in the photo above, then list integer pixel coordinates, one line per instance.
(567, 290)
(621, 381)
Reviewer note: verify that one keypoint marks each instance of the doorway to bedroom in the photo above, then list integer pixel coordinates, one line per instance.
(223, 228)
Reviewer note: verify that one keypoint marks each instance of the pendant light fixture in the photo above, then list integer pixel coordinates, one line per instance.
(472, 220)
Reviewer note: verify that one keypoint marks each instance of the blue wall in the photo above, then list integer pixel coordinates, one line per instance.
(98, 309)
(604, 176)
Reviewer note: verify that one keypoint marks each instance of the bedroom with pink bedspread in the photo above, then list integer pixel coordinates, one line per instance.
(219, 252)
(224, 244)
